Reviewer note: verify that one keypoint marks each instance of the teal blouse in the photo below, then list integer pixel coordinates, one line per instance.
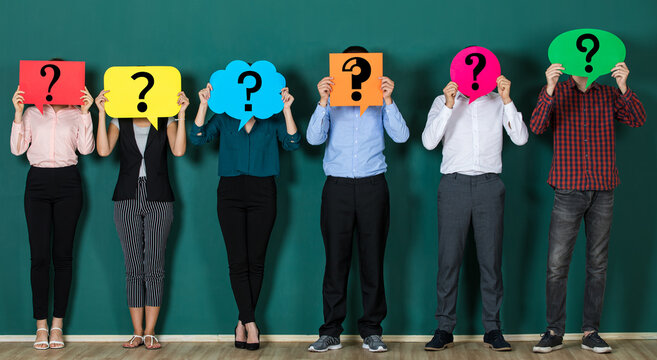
(242, 153)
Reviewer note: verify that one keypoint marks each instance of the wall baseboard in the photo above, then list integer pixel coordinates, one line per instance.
(311, 338)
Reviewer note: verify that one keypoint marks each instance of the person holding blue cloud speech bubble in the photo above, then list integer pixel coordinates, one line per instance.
(355, 198)
(582, 115)
(143, 207)
(471, 194)
(246, 195)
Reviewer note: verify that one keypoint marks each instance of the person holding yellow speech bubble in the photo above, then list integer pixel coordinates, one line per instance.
(143, 207)
(53, 199)
(246, 197)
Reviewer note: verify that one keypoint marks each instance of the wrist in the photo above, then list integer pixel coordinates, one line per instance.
(506, 100)
(323, 102)
(388, 100)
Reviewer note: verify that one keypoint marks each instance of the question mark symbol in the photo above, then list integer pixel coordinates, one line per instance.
(590, 53)
(481, 64)
(142, 74)
(251, 90)
(55, 76)
(358, 79)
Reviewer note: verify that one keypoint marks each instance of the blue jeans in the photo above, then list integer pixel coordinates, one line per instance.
(570, 206)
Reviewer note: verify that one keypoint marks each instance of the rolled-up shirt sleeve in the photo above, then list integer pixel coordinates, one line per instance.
(199, 135)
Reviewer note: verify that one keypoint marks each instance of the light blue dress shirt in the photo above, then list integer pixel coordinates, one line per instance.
(355, 143)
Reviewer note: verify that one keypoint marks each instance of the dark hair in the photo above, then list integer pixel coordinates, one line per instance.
(56, 59)
(354, 49)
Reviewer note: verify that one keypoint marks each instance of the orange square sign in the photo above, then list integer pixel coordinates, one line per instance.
(357, 79)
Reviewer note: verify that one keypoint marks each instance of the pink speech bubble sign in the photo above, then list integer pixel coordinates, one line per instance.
(475, 70)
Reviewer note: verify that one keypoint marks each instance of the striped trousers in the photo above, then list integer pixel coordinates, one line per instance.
(143, 227)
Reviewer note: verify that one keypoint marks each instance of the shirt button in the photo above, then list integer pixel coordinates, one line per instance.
(355, 156)
(355, 141)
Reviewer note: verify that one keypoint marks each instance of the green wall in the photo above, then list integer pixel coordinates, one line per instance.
(419, 39)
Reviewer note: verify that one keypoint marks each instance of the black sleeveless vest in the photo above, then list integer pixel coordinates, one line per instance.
(158, 187)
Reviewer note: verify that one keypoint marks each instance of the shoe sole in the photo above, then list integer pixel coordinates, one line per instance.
(379, 349)
(604, 350)
(545, 350)
(429, 348)
(498, 349)
(332, 347)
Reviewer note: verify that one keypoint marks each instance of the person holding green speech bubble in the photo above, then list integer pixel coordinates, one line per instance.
(582, 116)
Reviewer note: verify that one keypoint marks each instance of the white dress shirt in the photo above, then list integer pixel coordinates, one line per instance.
(472, 133)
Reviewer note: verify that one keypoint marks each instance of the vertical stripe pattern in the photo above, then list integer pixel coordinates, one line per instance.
(143, 227)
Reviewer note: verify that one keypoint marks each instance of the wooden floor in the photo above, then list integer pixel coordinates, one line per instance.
(623, 350)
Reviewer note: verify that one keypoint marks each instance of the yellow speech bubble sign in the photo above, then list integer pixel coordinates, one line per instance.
(142, 91)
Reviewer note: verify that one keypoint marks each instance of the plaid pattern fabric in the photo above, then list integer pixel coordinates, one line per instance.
(584, 138)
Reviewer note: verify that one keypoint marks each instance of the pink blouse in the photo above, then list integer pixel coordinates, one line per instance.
(52, 138)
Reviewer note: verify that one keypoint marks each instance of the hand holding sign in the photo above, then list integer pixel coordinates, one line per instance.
(142, 91)
(244, 91)
(475, 69)
(356, 79)
(587, 52)
(51, 82)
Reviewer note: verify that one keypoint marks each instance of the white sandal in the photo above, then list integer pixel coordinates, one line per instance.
(60, 344)
(41, 342)
(133, 339)
(152, 344)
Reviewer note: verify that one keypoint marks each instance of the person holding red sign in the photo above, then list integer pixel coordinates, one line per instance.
(143, 207)
(53, 200)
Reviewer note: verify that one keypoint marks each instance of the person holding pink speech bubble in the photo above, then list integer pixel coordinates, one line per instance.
(246, 197)
(471, 193)
(583, 175)
(53, 199)
(143, 207)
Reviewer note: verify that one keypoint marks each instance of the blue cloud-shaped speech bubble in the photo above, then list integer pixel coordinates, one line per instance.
(243, 91)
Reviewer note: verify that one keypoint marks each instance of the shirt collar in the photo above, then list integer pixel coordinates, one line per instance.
(571, 83)
(461, 96)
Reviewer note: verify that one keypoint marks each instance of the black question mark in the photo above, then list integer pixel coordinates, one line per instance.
(358, 80)
(590, 53)
(142, 105)
(55, 76)
(481, 64)
(251, 90)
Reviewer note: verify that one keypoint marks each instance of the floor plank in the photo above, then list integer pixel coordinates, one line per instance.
(623, 350)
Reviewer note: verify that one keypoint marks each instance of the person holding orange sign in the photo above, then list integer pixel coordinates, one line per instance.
(143, 207)
(355, 198)
(53, 199)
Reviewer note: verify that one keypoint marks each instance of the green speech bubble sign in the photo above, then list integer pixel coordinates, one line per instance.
(587, 52)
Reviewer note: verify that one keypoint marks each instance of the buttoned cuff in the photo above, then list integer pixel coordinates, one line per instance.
(391, 109)
(510, 108)
(86, 119)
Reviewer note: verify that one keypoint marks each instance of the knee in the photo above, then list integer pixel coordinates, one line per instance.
(40, 262)
(63, 262)
(257, 268)
(154, 276)
(596, 267)
(238, 267)
(557, 270)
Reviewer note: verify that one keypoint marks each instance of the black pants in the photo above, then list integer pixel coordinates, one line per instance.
(53, 202)
(246, 207)
(465, 201)
(570, 207)
(347, 205)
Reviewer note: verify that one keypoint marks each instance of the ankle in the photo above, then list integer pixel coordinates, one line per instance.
(139, 332)
(149, 332)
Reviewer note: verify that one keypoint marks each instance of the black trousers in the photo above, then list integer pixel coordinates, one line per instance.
(53, 202)
(246, 207)
(347, 205)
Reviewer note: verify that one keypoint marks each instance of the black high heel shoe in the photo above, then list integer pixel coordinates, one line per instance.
(239, 344)
(254, 346)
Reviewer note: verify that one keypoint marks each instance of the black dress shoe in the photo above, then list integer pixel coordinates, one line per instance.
(254, 346)
(239, 344)
(440, 341)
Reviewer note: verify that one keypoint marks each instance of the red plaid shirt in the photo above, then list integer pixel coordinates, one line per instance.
(584, 138)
